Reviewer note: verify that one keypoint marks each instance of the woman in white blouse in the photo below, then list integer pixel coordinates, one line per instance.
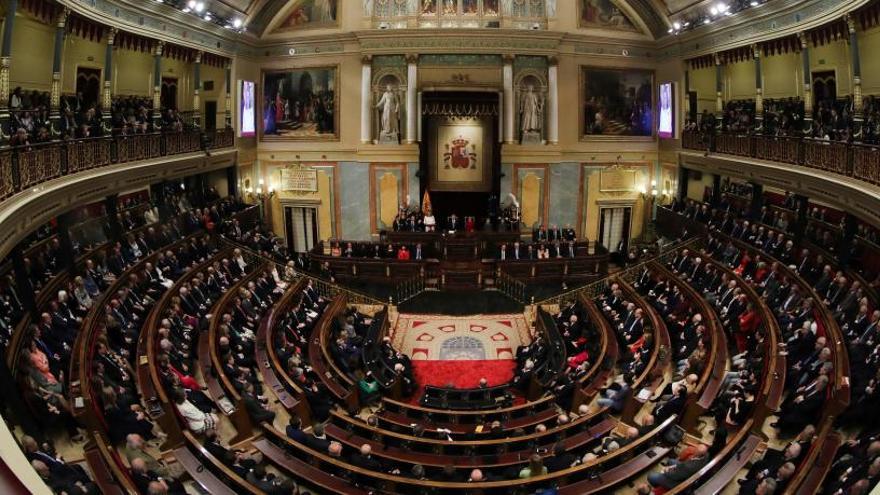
(196, 420)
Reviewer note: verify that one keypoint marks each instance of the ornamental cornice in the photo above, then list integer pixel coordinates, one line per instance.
(173, 27)
(476, 40)
(770, 21)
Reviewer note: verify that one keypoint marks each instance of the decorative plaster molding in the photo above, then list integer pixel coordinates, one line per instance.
(771, 21)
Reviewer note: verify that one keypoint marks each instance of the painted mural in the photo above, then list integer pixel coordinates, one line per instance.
(604, 14)
(312, 14)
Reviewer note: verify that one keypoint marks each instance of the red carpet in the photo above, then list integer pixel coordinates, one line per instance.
(463, 374)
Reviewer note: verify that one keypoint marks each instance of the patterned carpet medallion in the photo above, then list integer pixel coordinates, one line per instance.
(459, 350)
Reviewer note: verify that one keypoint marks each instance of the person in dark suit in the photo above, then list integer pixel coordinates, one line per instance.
(560, 458)
(256, 410)
(675, 405)
(803, 408)
(364, 459)
(677, 472)
(294, 430)
(318, 440)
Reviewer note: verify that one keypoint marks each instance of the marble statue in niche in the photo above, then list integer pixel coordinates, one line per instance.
(389, 97)
(531, 111)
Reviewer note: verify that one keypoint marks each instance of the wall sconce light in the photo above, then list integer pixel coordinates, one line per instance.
(259, 194)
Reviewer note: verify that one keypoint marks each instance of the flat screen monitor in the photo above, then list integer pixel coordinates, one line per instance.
(666, 128)
(247, 96)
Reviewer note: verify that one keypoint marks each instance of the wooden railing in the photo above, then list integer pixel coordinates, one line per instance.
(856, 160)
(23, 167)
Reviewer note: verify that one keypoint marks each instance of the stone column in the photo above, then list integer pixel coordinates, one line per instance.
(68, 255)
(687, 93)
(157, 83)
(759, 85)
(366, 100)
(197, 88)
(808, 91)
(501, 116)
(55, 92)
(757, 200)
(107, 94)
(412, 75)
(228, 95)
(716, 189)
(800, 221)
(553, 101)
(23, 286)
(719, 85)
(847, 239)
(419, 117)
(111, 207)
(507, 73)
(683, 178)
(856, 67)
(5, 59)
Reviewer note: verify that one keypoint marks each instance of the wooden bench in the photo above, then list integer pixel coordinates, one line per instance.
(495, 446)
(604, 362)
(712, 377)
(282, 451)
(211, 366)
(191, 456)
(652, 376)
(408, 455)
(267, 359)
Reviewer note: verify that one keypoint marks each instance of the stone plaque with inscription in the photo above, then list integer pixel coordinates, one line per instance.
(617, 180)
(300, 179)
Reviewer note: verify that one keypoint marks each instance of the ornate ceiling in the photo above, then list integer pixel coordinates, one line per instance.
(652, 15)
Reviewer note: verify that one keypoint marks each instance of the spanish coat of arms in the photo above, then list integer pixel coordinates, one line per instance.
(457, 154)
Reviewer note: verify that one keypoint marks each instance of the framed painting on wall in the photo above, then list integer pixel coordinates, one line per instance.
(300, 104)
(617, 102)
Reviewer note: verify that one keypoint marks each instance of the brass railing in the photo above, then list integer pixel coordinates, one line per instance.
(325, 288)
(23, 167)
(512, 287)
(630, 274)
(409, 288)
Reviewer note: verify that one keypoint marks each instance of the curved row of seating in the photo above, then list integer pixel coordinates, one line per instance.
(826, 441)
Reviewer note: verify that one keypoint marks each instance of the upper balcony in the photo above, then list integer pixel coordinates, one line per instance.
(40, 181)
(24, 167)
(856, 160)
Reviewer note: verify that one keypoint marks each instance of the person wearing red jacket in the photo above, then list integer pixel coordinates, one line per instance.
(748, 324)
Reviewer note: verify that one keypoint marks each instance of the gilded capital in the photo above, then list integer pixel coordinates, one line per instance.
(802, 37)
(160, 45)
(111, 35)
(850, 23)
(62, 17)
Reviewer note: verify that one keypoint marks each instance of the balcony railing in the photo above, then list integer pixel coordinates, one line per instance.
(856, 160)
(23, 167)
